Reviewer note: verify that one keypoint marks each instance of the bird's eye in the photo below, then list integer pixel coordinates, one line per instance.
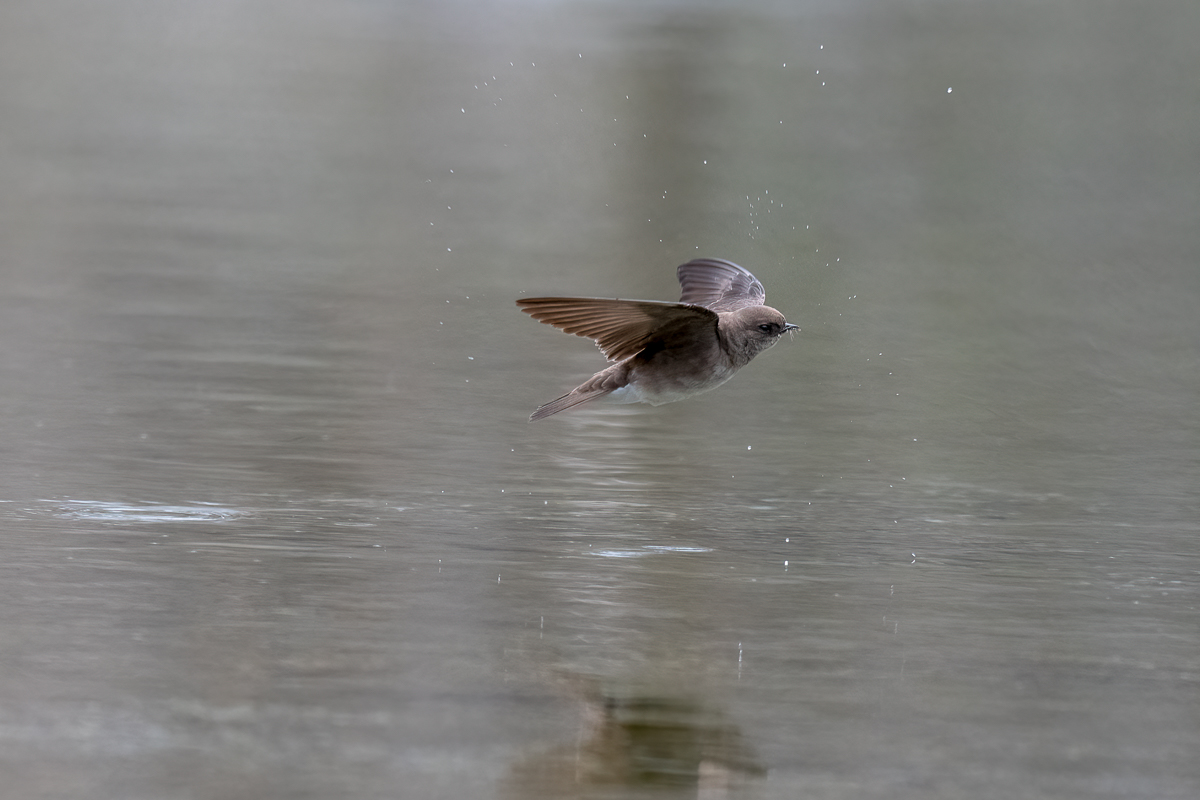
(766, 327)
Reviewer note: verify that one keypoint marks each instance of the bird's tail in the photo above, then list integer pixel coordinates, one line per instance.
(569, 400)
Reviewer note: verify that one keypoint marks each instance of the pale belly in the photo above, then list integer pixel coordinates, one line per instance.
(668, 391)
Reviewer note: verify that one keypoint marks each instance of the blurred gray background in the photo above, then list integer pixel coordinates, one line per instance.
(275, 525)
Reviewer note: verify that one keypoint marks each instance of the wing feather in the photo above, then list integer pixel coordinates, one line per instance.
(621, 328)
(719, 285)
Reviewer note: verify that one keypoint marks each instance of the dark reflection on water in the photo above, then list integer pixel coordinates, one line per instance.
(655, 743)
(276, 526)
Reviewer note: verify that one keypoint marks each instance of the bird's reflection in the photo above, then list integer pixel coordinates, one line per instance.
(656, 745)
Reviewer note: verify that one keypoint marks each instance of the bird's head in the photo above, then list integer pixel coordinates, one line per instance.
(748, 331)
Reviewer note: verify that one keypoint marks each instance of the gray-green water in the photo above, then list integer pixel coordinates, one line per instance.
(275, 525)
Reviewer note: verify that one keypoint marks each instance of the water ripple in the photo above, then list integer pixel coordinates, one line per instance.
(101, 511)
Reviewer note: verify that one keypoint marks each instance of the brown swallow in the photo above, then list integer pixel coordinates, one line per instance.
(666, 351)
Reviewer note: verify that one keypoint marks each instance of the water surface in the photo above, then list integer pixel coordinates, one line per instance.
(276, 525)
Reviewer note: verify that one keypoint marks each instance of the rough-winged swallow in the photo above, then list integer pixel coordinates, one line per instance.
(666, 351)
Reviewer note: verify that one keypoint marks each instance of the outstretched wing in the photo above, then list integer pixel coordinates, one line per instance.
(621, 328)
(719, 284)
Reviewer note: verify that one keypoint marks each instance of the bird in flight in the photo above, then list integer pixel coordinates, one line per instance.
(666, 351)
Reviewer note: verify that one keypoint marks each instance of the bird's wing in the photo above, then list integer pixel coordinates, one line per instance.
(621, 328)
(718, 284)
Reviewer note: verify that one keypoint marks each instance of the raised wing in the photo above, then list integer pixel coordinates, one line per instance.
(621, 328)
(719, 284)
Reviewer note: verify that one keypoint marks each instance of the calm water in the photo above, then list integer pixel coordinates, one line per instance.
(275, 525)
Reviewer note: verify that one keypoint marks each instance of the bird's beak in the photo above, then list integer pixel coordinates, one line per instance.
(787, 326)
